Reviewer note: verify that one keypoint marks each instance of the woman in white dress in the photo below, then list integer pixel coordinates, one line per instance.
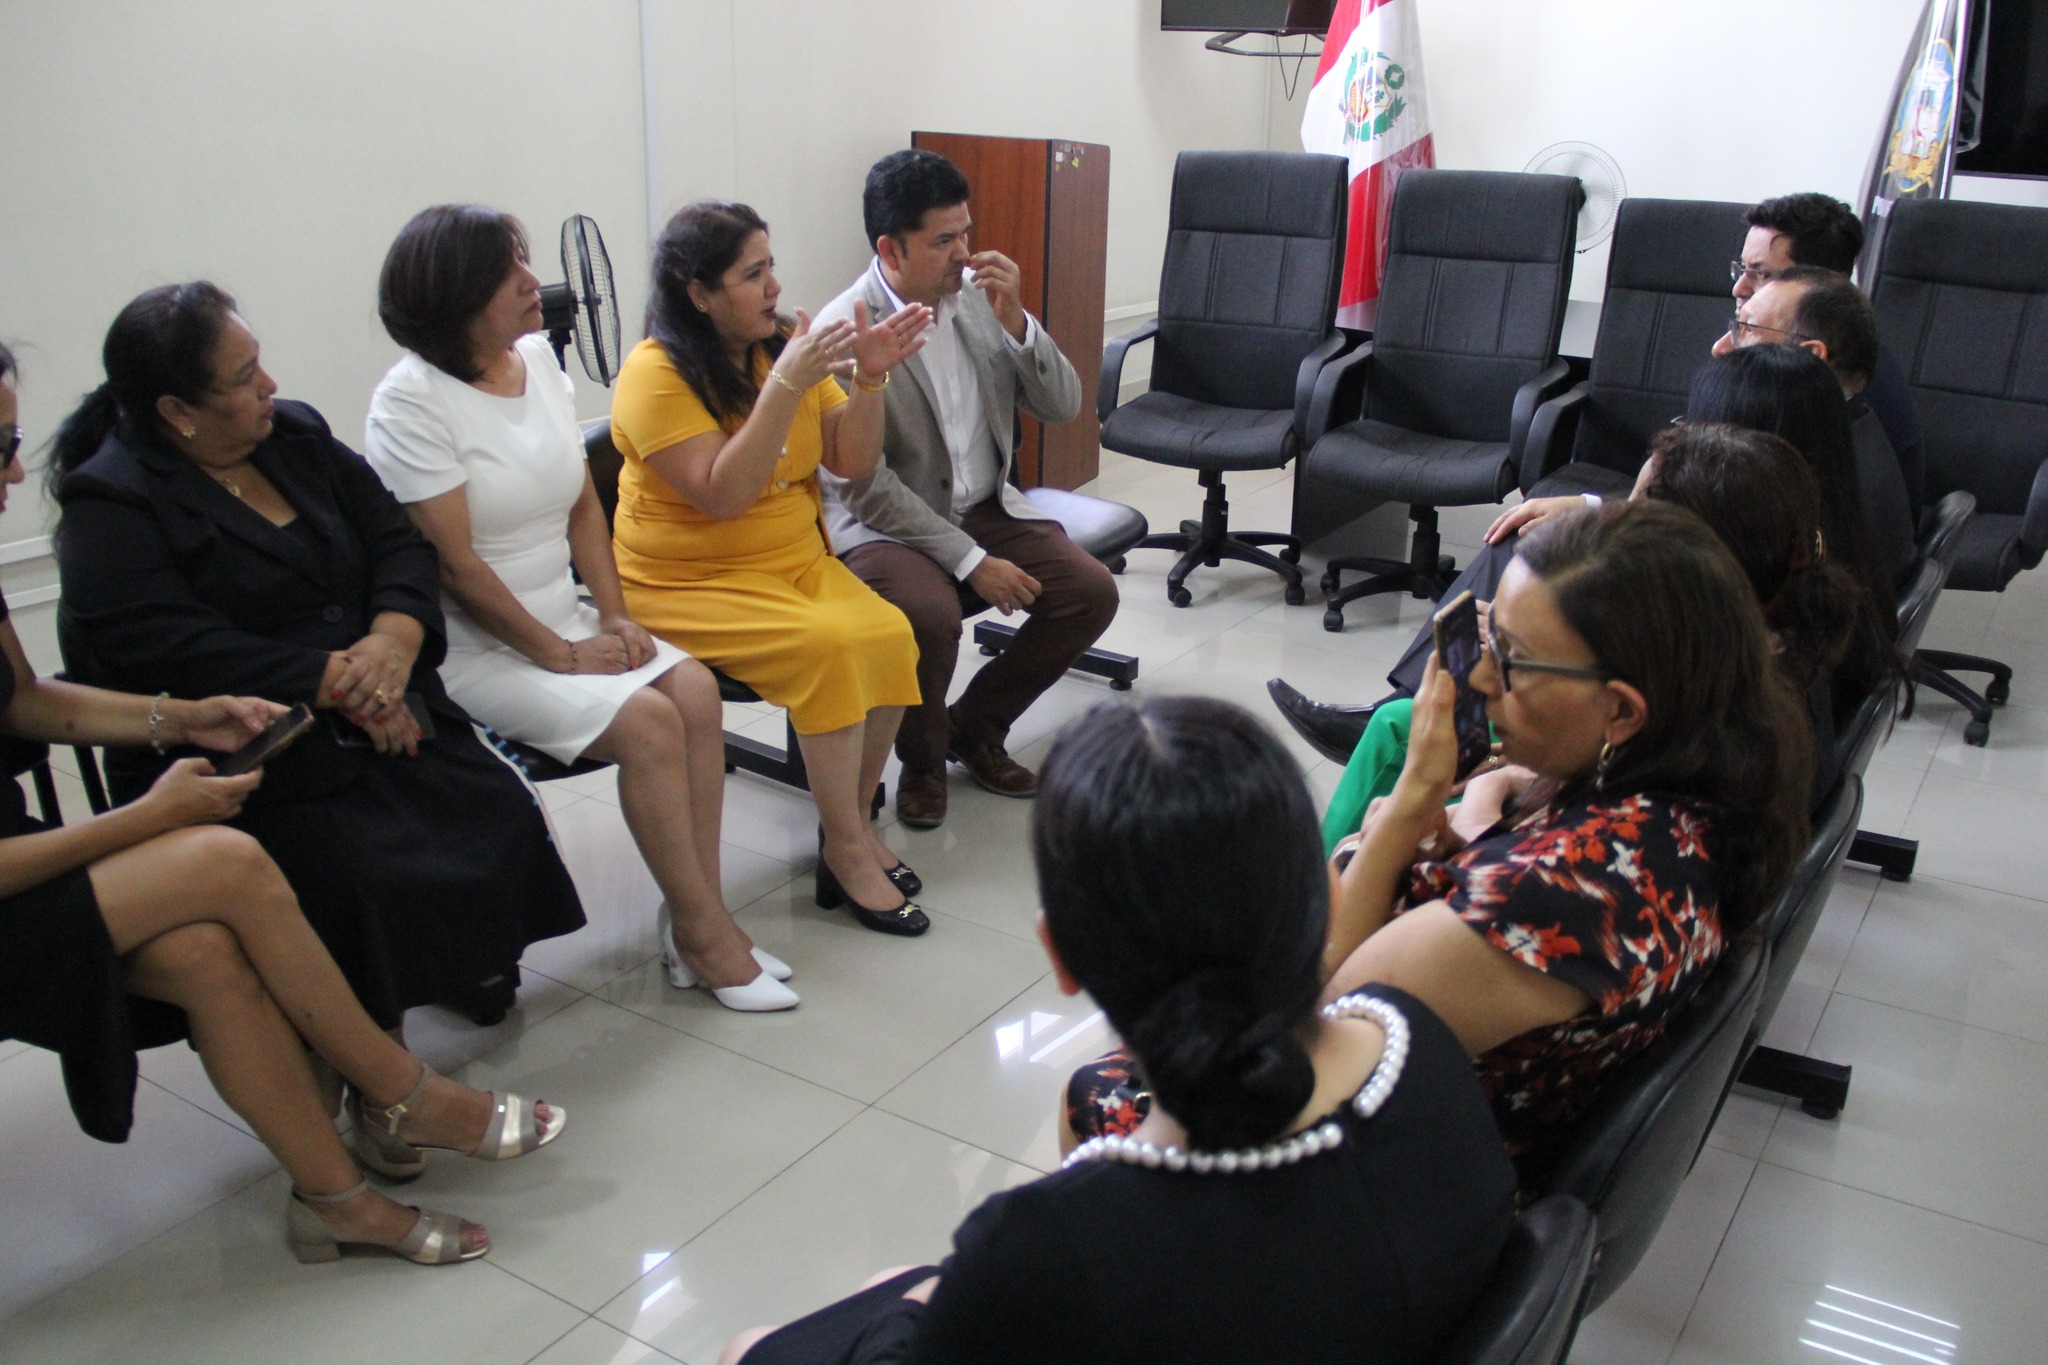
(474, 430)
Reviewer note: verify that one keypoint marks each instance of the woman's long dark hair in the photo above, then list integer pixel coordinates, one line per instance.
(700, 243)
(1658, 599)
(1790, 392)
(1183, 885)
(160, 344)
(1759, 496)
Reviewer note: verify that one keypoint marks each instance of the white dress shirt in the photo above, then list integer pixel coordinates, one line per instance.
(963, 419)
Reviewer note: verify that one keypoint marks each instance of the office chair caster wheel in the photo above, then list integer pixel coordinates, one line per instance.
(1180, 597)
(1119, 685)
(1296, 594)
(1820, 1109)
(1999, 692)
(1447, 567)
(1115, 563)
(1977, 733)
(989, 651)
(1333, 621)
(1333, 583)
(1290, 554)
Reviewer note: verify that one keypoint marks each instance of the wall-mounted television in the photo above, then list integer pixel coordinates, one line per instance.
(1283, 17)
(2013, 127)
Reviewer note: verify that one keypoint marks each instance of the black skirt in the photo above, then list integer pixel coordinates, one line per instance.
(61, 989)
(876, 1326)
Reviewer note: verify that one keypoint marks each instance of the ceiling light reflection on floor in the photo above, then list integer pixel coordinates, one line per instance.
(1874, 1331)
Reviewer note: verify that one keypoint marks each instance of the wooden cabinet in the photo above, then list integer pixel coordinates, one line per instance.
(1044, 203)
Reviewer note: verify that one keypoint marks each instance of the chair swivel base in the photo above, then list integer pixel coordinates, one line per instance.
(1388, 575)
(1120, 669)
(1892, 857)
(1821, 1088)
(1210, 541)
(1937, 670)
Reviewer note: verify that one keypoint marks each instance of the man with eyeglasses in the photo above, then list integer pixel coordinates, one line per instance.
(1818, 231)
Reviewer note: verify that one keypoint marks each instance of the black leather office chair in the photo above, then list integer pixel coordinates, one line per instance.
(1667, 302)
(1529, 1311)
(1940, 543)
(1247, 309)
(1962, 299)
(31, 759)
(1632, 1150)
(1433, 411)
(1821, 1087)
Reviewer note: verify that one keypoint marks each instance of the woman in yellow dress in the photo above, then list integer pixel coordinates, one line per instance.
(723, 416)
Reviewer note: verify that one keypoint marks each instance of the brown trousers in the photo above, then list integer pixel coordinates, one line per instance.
(1076, 602)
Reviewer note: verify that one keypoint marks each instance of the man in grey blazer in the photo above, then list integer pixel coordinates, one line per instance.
(937, 526)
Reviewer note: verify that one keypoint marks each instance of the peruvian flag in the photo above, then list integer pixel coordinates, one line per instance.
(1367, 106)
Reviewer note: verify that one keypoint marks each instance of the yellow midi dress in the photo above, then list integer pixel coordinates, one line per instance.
(759, 597)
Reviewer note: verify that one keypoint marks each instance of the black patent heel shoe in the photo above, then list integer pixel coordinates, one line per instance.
(900, 876)
(905, 920)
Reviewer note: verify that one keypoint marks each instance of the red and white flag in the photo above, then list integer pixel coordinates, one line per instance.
(1367, 106)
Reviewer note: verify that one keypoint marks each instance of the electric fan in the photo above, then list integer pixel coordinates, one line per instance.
(1602, 178)
(584, 307)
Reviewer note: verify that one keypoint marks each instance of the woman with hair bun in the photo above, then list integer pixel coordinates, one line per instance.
(1314, 1184)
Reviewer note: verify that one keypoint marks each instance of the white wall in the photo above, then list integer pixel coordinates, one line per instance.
(277, 145)
(1734, 99)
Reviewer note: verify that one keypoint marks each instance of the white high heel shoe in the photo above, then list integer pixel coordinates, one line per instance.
(763, 995)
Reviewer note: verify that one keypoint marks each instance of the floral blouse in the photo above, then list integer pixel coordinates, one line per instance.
(1618, 896)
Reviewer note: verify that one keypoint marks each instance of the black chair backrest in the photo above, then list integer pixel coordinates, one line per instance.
(1254, 256)
(1529, 1310)
(1667, 301)
(1633, 1148)
(605, 464)
(1962, 301)
(1788, 924)
(1479, 266)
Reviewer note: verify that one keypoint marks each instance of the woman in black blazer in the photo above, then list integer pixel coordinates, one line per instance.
(215, 541)
(152, 922)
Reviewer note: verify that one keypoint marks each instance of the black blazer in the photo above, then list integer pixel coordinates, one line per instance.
(171, 584)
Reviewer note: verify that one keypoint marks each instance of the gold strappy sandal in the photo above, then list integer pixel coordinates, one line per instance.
(435, 1239)
(513, 1131)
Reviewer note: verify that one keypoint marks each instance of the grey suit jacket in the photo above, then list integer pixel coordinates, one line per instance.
(909, 497)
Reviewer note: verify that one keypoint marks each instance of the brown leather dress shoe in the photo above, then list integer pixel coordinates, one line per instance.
(992, 768)
(921, 798)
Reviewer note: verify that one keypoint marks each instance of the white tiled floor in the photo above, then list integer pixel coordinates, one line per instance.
(721, 1169)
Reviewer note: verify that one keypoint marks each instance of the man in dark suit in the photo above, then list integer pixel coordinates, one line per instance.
(937, 528)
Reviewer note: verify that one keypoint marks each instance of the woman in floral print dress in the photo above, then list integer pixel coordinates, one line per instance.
(1653, 799)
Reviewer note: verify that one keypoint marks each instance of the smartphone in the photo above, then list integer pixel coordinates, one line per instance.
(349, 735)
(1456, 630)
(275, 739)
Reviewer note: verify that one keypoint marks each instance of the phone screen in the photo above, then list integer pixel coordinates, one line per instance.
(1456, 629)
(274, 740)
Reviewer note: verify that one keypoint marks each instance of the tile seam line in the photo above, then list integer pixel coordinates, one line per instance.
(1908, 1203)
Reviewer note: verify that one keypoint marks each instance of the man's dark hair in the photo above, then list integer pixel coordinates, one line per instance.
(903, 187)
(1819, 230)
(1834, 312)
(442, 271)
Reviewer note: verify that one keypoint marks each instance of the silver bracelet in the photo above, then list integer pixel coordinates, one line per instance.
(156, 720)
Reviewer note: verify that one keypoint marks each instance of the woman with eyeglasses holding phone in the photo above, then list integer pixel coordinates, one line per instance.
(156, 922)
(1572, 904)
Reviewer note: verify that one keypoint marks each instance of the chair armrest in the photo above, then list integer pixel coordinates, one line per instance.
(1531, 396)
(1113, 367)
(1539, 456)
(2034, 521)
(1332, 403)
(1338, 343)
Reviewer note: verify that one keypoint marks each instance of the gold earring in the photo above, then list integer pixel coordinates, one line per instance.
(1600, 768)
(189, 432)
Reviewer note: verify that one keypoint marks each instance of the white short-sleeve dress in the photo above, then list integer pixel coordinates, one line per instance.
(521, 461)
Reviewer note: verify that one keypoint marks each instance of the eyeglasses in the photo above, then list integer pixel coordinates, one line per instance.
(1740, 328)
(12, 445)
(1755, 273)
(1505, 664)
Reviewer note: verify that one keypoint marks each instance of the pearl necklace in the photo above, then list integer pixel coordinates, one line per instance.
(1325, 1137)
